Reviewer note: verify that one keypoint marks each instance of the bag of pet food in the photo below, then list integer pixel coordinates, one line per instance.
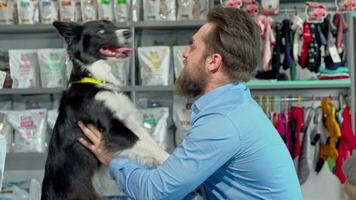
(156, 10)
(121, 10)
(30, 130)
(32, 102)
(2, 79)
(5, 68)
(28, 11)
(23, 67)
(52, 67)
(105, 9)
(136, 6)
(89, 10)
(120, 68)
(6, 10)
(154, 65)
(182, 110)
(67, 10)
(5, 130)
(155, 122)
(2, 159)
(48, 11)
(178, 59)
(192, 9)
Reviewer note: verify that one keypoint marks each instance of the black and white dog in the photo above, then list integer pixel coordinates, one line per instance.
(70, 167)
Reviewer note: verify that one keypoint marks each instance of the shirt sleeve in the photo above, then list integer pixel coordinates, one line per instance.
(211, 142)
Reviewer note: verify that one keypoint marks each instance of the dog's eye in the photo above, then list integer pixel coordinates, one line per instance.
(100, 32)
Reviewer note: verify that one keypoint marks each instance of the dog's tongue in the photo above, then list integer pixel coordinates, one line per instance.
(116, 52)
(123, 52)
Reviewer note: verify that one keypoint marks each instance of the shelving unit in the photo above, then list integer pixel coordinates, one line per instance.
(45, 36)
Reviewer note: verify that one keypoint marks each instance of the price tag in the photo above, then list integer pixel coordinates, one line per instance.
(334, 54)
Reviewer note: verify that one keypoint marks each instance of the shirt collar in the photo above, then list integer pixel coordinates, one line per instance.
(204, 100)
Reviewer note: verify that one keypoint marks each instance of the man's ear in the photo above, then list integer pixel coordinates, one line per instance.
(68, 30)
(214, 62)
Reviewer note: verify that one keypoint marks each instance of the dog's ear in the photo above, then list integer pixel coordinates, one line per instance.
(68, 30)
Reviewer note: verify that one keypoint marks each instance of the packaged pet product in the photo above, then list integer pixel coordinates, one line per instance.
(120, 68)
(121, 10)
(231, 3)
(5, 68)
(154, 65)
(136, 6)
(182, 110)
(192, 9)
(6, 9)
(52, 67)
(270, 7)
(32, 102)
(155, 122)
(67, 10)
(178, 59)
(89, 9)
(28, 11)
(5, 130)
(155, 10)
(105, 10)
(48, 11)
(2, 79)
(2, 159)
(30, 130)
(52, 118)
(23, 65)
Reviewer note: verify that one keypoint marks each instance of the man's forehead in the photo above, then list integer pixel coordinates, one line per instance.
(204, 30)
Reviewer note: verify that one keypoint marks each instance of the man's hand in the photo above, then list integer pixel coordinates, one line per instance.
(97, 145)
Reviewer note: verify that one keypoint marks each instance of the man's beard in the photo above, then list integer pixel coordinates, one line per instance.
(189, 85)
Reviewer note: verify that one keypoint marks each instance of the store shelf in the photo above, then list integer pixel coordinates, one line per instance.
(168, 24)
(307, 84)
(34, 91)
(27, 28)
(25, 161)
(30, 91)
(40, 28)
(168, 88)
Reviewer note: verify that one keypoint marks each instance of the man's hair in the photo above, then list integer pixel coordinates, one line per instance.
(236, 37)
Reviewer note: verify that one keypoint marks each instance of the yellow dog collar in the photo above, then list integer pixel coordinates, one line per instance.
(90, 80)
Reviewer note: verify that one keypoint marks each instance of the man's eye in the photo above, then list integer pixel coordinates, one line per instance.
(100, 32)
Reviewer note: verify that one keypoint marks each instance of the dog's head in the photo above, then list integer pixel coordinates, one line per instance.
(92, 43)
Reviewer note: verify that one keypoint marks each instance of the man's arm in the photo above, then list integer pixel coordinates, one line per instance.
(211, 142)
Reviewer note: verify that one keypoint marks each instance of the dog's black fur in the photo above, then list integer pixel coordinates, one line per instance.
(70, 166)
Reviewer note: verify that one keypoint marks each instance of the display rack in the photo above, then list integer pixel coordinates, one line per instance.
(45, 36)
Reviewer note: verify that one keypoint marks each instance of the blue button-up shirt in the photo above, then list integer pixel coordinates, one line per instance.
(232, 151)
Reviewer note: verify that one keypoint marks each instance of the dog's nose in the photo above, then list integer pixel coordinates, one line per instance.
(126, 34)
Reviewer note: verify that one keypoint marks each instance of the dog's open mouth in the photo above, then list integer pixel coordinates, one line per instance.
(115, 52)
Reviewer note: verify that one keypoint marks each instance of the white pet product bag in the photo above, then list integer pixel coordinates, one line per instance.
(5, 130)
(89, 10)
(154, 65)
(156, 10)
(6, 9)
(105, 10)
(52, 67)
(48, 11)
(178, 59)
(120, 68)
(30, 130)
(28, 11)
(23, 67)
(2, 159)
(181, 116)
(155, 122)
(32, 102)
(121, 8)
(67, 10)
(192, 9)
(2, 79)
